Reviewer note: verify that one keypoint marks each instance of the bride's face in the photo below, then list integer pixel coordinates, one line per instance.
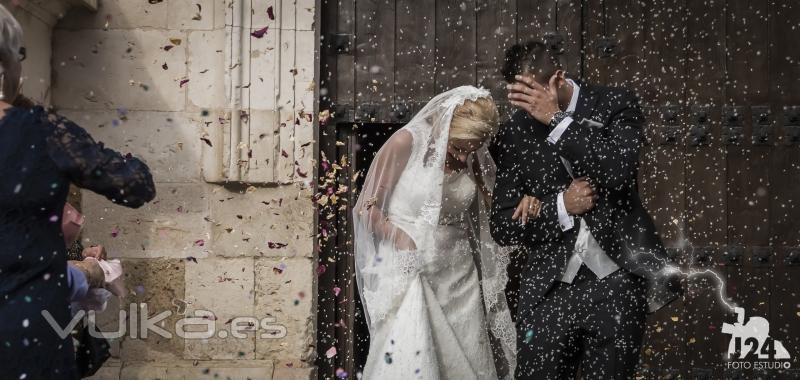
(459, 149)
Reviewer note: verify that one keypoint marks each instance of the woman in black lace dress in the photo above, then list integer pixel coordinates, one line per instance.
(40, 155)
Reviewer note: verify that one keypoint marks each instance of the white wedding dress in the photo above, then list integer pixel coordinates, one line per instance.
(438, 330)
(437, 312)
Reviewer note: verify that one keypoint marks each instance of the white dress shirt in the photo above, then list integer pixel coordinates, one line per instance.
(587, 250)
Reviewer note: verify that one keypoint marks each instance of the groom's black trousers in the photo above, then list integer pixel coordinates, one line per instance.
(594, 324)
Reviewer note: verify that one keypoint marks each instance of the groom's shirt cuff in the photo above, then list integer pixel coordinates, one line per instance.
(556, 133)
(564, 219)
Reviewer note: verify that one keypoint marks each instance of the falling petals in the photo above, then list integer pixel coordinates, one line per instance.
(331, 352)
(528, 336)
(260, 33)
(274, 245)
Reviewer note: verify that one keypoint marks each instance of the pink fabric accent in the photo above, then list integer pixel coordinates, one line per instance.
(71, 223)
(115, 282)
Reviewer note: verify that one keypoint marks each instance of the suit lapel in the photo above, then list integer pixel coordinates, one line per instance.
(551, 174)
(544, 174)
(586, 102)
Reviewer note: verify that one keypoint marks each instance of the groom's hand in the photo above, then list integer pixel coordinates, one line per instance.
(538, 101)
(580, 197)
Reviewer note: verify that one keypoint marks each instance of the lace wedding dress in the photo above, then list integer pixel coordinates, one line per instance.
(437, 311)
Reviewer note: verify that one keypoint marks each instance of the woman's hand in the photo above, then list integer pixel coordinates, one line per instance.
(528, 208)
(96, 251)
(403, 242)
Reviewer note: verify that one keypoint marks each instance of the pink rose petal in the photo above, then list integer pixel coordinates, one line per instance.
(331, 352)
(260, 33)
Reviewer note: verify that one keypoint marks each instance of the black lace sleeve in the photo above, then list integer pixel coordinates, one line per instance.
(124, 180)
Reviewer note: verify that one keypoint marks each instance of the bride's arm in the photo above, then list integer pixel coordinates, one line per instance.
(384, 172)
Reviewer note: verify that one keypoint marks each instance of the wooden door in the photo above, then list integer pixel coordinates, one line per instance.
(720, 83)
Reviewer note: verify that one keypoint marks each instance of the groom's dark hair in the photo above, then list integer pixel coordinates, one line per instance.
(534, 56)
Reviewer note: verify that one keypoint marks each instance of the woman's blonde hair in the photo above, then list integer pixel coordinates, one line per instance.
(475, 120)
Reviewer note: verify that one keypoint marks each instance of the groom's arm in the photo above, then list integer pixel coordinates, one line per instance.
(508, 191)
(610, 159)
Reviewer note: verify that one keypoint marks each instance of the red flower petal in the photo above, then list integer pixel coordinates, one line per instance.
(260, 33)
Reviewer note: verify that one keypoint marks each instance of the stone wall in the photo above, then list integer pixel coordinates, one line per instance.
(37, 18)
(186, 85)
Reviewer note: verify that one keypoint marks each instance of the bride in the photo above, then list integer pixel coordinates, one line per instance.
(430, 276)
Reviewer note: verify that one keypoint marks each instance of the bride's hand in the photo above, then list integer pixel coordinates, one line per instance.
(403, 242)
(528, 208)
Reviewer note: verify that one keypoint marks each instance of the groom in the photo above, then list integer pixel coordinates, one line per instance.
(595, 266)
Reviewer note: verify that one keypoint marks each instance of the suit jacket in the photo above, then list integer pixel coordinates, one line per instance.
(603, 143)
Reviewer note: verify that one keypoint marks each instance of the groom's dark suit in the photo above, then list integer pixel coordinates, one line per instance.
(560, 322)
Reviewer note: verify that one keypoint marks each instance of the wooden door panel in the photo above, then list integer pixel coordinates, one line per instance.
(747, 69)
(663, 90)
(455, 44)
(568, 26)
(346, 63)
(496, 32)
(706, 181)
(414, 55)
(534, 19)
(374, 59)
(337, 87)
(538, 19)
(784, 213)
(614, 43)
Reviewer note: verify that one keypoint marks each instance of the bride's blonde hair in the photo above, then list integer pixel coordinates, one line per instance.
(475, 120)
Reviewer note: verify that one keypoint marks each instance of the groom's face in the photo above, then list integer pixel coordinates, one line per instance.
(543, 75)
(539, 76)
